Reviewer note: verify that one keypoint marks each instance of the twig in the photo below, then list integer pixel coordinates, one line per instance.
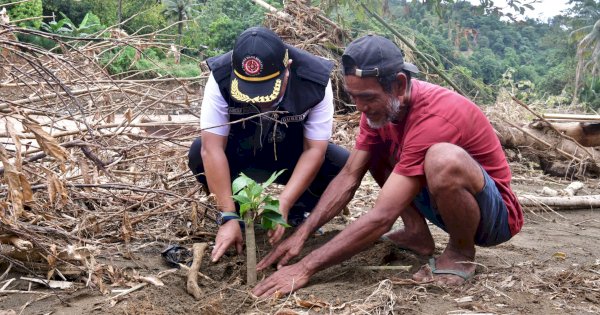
(141, 285)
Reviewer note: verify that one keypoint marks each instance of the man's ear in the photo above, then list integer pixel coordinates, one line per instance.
(401, 84)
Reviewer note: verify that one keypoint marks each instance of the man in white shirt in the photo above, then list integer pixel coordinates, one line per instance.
(284, 98)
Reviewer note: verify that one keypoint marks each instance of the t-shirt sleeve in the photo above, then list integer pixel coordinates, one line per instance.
(368, 138)
(214, 109)
(419, 138)
(319, 123)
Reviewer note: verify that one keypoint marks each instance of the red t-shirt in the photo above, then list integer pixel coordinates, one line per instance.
(439, 115)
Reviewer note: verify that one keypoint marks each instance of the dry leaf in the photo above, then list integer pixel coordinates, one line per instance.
(559, 255)
(311, 302)
(48, 144)
(26, 189)
(13, 179)
(10, 129)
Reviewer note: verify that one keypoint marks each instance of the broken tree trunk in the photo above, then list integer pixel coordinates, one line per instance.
(587, 134)
(557, 155)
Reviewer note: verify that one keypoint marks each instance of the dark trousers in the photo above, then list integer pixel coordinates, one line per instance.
(260, 169)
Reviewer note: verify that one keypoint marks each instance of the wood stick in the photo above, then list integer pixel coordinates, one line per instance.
(572, 116)
(403, 268)
(561, 203)
(192, 280)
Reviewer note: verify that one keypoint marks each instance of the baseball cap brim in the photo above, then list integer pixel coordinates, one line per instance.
(245, 91)
(410, 67)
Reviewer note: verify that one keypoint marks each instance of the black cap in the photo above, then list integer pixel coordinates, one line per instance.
(259, 61)
(374, 56)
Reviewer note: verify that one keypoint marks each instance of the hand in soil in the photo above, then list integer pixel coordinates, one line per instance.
(286, 280)
(229, 234)
(285, 251)
(276, 234)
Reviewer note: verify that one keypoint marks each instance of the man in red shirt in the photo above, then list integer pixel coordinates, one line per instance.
(435, 156)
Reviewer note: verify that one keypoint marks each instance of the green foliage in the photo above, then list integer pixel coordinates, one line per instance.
(223, 31)
(25, 10)
(89, 25)
(251, 198)
(75, 10)
(219, 23)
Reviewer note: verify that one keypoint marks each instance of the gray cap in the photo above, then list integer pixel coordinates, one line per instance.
(374, 56)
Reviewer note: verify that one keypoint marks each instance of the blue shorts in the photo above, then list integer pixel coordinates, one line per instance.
(493, 226)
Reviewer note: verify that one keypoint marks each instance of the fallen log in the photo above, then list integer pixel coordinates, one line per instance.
(561, 203)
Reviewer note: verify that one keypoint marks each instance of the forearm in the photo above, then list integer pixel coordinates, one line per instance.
(303, 174)
(216, 170)
(396, 194)
(337, 195)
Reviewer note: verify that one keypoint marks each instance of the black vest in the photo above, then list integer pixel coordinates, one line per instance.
(262, 137)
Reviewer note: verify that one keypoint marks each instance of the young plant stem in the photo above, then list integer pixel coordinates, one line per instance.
(250, 249)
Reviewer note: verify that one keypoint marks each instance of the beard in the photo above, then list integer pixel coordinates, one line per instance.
(393, 111)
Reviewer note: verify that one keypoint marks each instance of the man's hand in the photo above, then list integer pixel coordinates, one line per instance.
(276, 234)
(286, 280)
(229, 234)
(285, 251)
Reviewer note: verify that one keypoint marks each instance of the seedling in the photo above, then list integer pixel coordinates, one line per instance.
(254, 205)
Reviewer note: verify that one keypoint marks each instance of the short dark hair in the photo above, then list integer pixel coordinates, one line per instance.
(387, 81)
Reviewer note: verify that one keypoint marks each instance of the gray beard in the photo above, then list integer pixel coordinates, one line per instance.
(394, 107)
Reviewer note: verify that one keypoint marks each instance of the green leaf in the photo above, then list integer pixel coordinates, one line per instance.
(85, 20)
(255, 191)
(272, 206)
(240, 183)
(267, 224)
(241, 199)
(272, 178)
(275, 218)
(244, 208)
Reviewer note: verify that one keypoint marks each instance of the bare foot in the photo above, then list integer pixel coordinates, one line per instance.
(418, 243)
(441, 269)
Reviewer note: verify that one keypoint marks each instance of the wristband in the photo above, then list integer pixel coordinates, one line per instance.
(224, 217)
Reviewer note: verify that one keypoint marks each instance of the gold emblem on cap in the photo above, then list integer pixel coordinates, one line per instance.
(244, 98)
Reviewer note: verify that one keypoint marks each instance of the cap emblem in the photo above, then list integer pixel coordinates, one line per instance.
(252, 66)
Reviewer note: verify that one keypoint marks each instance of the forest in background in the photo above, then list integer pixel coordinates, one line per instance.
(482, 49)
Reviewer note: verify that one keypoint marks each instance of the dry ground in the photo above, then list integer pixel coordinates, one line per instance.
(551, 267)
